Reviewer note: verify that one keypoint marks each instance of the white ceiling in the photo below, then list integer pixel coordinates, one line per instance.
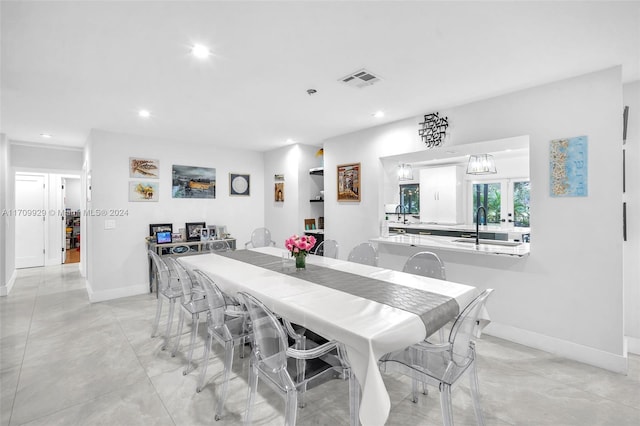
(68, 67)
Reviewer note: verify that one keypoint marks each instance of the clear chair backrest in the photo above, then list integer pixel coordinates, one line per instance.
(260, 237)
(183, 276)
(464, 328)
(329, 248)
(364, 253)
(426, 264)
(270, 340)
(161, 269)
(217, 245)
(215, 298)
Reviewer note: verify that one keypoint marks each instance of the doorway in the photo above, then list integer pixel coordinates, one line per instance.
(72, 217)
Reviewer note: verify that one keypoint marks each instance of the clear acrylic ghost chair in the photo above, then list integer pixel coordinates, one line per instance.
(216, 246)
(443, 364)
(192, 303)
(169, 289)
(327, 248)
(426, 264)
(228, 328)
(272, 360)
(364, 253)
(260, 237)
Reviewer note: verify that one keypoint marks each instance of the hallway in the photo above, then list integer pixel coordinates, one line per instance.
(65, 361)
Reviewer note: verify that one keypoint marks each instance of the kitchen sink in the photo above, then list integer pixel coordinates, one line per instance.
(489, 242)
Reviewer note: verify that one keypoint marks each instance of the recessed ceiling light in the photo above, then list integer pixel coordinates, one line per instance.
(200, 51)
(144, 113)
(290, 141)
(45, 135)
(378, 114)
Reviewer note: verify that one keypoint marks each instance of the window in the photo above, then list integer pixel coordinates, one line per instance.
(505, 200)
(410, 198)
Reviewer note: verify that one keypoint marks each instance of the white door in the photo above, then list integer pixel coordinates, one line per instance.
(30, 217)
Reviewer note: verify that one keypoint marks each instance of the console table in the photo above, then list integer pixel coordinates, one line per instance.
(181, 248)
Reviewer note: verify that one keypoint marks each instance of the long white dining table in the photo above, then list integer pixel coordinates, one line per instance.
(367, 328)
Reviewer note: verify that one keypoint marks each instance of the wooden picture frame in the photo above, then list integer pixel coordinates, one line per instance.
(349, 178)
(193, 230)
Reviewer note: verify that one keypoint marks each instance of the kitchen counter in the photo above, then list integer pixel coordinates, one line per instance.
(454, 244)
(489, 232)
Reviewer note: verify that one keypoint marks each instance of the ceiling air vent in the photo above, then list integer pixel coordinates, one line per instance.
(360, 78)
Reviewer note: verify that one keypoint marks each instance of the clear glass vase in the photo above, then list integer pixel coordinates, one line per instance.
(300, 261)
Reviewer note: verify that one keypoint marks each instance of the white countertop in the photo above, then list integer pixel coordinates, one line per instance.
(486, 247)
(459, 227)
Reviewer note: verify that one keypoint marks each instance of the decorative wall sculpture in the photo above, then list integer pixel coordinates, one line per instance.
(433, 130)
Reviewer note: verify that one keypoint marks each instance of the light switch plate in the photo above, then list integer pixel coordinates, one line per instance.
(109, 224)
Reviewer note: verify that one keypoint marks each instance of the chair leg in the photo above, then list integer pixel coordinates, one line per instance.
(167, 334)
(195, 321)
(156, 322)
(301, 366)
(228, 361)
(251, 396)
(446, 405)
(205, 360)
(179, 335)
(354, 400)
(291, 408)
(475, 394)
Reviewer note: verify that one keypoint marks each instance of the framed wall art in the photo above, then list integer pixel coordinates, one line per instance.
(194, 230)
(278, 192)
(193, 182)
(568, 167)
(349, 182)
(143, 191)
(239, 184)
(143, 168)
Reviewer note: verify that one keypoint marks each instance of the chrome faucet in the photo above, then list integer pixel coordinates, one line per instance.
(400, 210)
(478, 223)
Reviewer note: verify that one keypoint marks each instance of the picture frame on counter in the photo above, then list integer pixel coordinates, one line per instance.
(194, 230)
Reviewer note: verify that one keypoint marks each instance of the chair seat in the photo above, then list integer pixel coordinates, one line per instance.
(196, 306)
(433, 369)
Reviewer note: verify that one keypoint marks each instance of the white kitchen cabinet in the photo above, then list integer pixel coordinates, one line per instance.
(441, 194)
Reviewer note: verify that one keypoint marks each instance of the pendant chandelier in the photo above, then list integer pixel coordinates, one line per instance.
(481, 164)
(405, 172)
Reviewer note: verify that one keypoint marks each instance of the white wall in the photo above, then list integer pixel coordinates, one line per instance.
(286, 218)
(631, 248)
(72, 194)
(7, 221)
(117, 262)
(566, 297)
(42, 157)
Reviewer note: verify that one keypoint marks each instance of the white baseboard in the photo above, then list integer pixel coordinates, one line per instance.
(563, 348)
(5, 290)
(633, 345)
(116, 293)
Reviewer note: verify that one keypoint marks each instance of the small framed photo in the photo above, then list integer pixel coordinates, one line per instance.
(279, 177)
(349, 182)
(194, 229)
(239, 184)
(154, 228)
(279, 192)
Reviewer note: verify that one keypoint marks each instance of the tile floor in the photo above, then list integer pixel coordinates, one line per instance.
(65, 361)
